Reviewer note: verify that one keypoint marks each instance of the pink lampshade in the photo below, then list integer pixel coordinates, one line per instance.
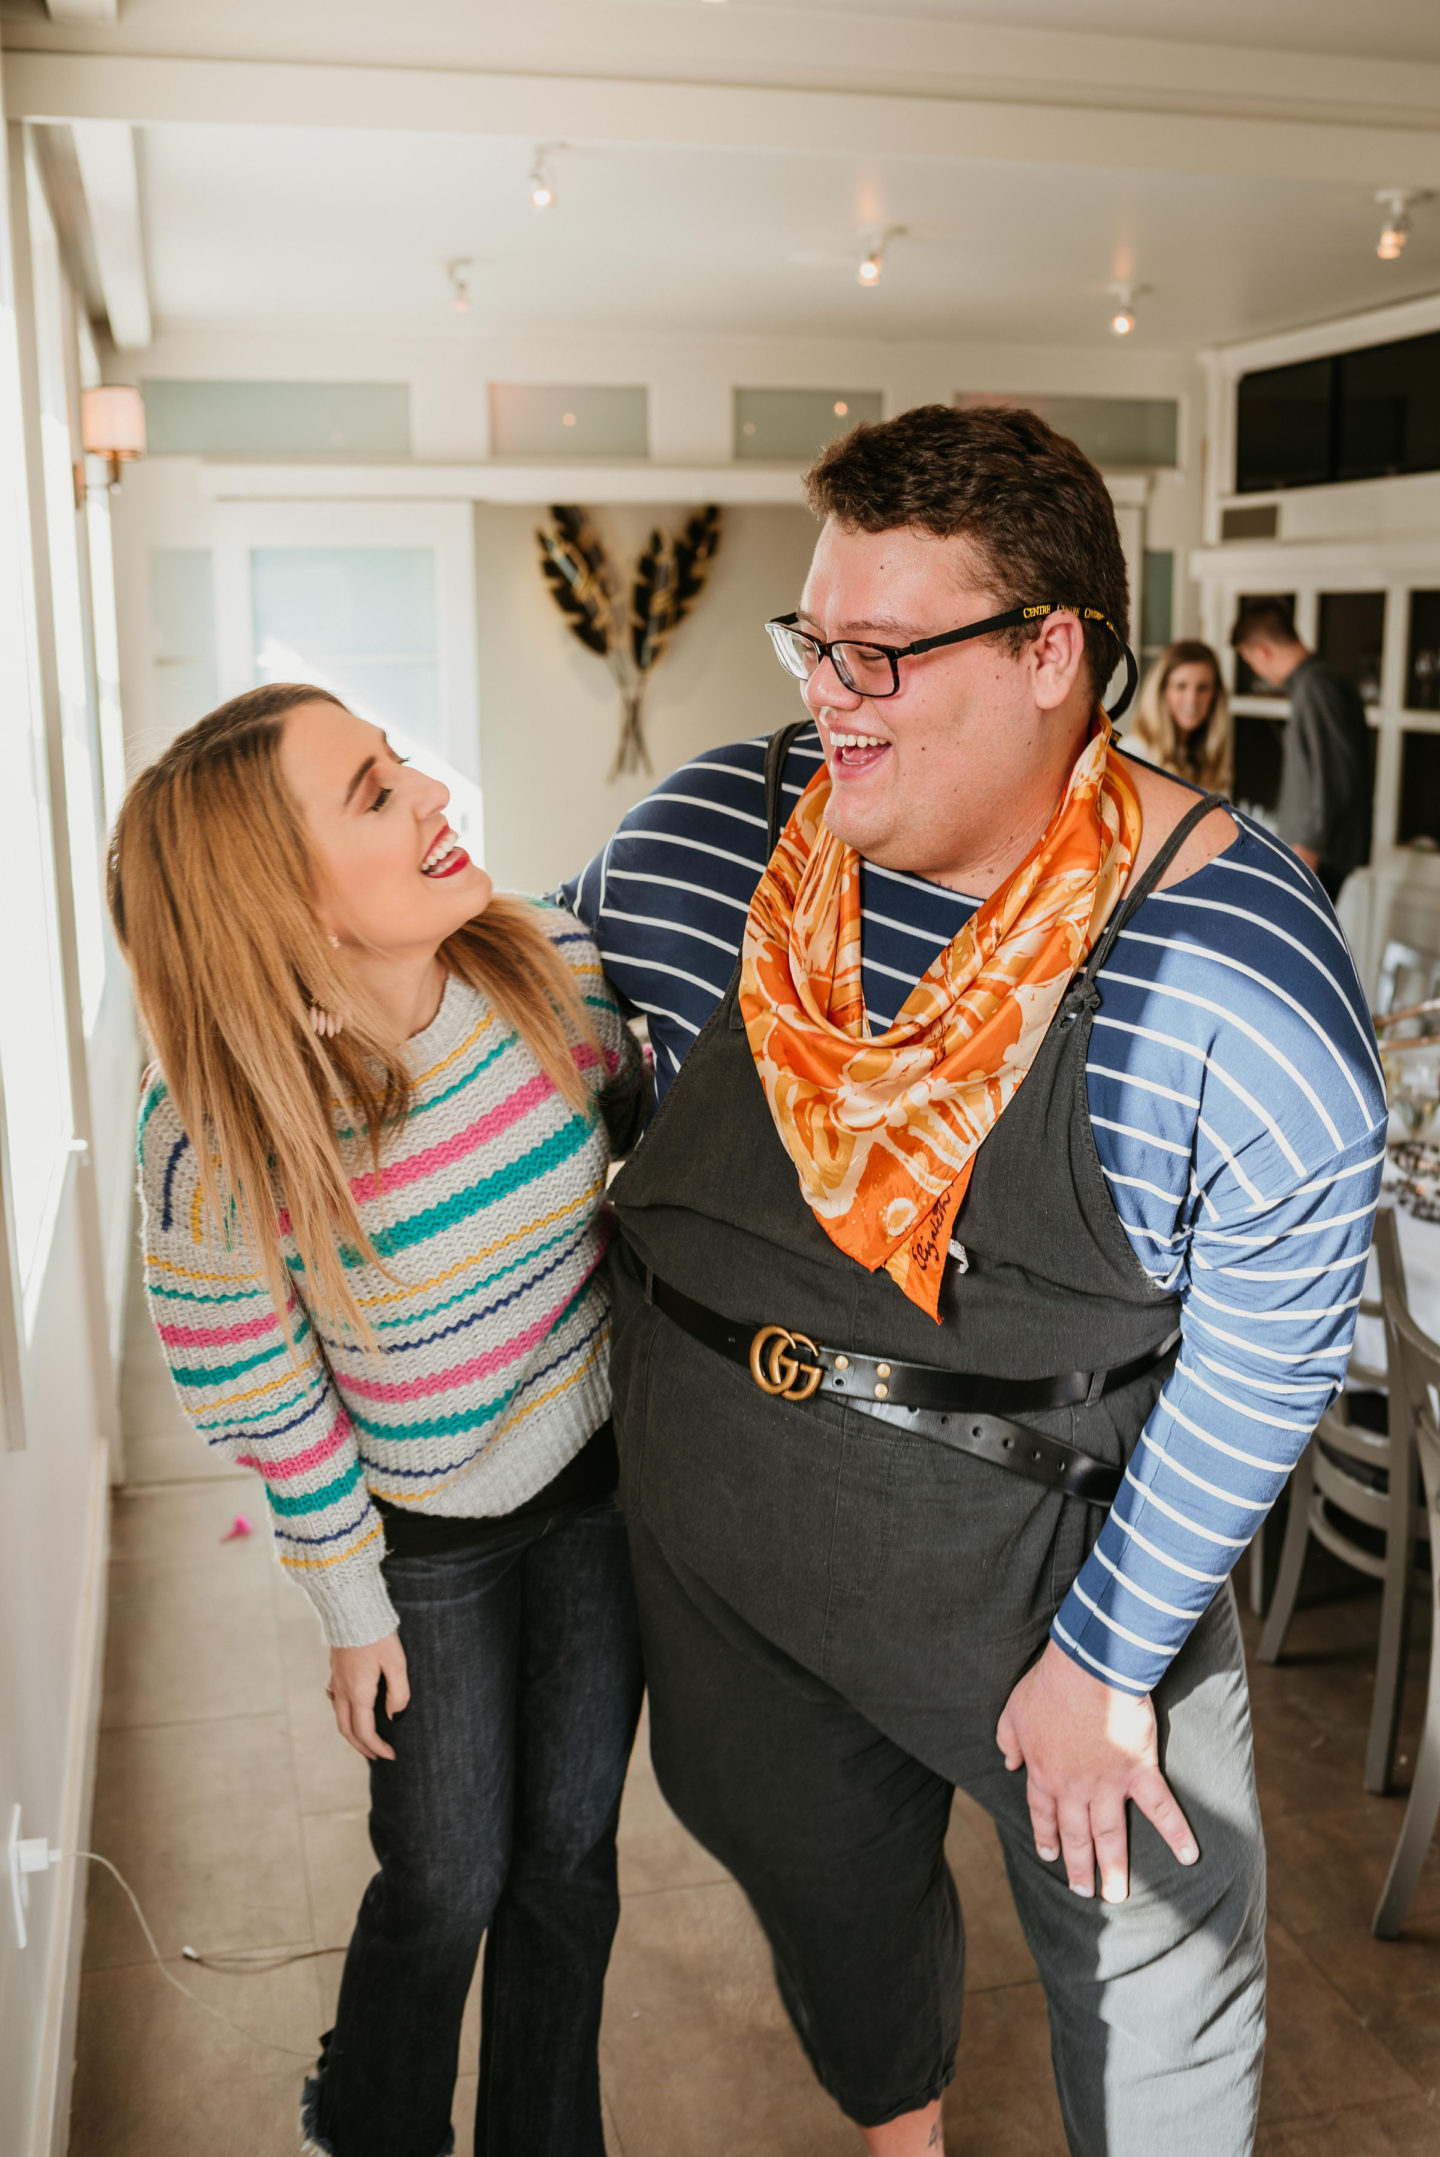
(112, 422)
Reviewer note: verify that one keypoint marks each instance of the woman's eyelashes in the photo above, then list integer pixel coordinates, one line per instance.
(383, 793)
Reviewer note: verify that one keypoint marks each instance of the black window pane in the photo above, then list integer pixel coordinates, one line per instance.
(1246, 683)
(1283, 427)
(1419, 788)
(1389, 409)
(1352, 636)
(1422, 661)
(1259, 751)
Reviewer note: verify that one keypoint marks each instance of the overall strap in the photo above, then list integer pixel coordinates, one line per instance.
(1135, 898)
(777, 749)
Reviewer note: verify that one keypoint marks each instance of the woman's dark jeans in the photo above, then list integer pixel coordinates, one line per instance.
(496, 1816)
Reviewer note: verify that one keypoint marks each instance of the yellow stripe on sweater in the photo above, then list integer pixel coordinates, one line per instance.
(236, 1400)
(423, 1078)
(338, 1557)
(518, 1235)
(190, 1273)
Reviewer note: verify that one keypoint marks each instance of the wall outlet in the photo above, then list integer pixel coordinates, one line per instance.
(22, 1858)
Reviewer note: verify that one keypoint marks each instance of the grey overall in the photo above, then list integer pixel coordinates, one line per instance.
(836, 1604)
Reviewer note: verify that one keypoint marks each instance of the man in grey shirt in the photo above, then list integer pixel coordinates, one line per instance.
(1325, 807)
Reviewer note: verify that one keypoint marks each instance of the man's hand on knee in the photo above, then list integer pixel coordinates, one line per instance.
(1087, 1749)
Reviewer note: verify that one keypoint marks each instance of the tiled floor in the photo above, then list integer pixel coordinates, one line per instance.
(236, 1813)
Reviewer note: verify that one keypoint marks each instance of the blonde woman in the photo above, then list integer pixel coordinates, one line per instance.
(1183, 719)
(373, 1157)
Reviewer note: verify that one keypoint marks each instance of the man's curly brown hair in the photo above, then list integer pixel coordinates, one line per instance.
(1032, 507)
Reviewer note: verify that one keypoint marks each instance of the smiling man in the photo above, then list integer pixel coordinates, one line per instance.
(991, 1257)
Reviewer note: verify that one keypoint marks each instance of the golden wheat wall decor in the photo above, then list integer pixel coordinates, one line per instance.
(628, 632)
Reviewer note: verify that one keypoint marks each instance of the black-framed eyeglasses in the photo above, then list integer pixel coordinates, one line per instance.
(873, 670)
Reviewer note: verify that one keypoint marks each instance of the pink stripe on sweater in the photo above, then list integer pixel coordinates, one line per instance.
(275, 1471)
(490, 1125)
(462, 1374)
(249, 1329)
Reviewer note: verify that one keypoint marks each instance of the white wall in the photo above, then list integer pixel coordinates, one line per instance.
(54, 1486)
(549, 714)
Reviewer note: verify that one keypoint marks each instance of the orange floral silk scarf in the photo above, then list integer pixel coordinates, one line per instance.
(883, 1132)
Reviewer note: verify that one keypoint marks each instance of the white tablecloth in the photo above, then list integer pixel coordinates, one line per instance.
(1420, 1249)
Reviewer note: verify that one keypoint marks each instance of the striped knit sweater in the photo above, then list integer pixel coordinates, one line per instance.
(492, 1310)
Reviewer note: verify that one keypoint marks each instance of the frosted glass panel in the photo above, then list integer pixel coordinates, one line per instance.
(793, 425)
(546, 419)
(277, 419)
(1112, 431)
(359, 621)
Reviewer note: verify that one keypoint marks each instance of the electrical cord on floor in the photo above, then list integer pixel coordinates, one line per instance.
(208, 1962)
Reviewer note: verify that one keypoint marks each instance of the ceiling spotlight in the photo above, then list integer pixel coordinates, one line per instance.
(1122, 322)
(458, 271)
(875, 244)
(542, 186)
(1397, 202)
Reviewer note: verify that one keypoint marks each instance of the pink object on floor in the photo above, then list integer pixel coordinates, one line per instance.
(238, 1527)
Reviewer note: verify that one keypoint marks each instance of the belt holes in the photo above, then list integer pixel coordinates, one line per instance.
(1037, 1455)
(1009, 1443)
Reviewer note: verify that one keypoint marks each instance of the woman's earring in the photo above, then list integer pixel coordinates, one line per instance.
(325, 1022)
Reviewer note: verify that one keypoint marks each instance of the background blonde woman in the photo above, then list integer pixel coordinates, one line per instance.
(1183, 721)
(373, 1158)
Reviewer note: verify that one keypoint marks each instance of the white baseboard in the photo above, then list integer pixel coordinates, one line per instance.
(50, 2132)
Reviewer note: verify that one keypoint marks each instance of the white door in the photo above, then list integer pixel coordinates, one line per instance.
(373, 601)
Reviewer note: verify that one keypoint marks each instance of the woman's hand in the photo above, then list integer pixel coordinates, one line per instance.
(355, 1675)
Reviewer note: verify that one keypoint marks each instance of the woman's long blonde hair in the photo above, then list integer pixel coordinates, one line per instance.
(211, 890)
(1206, 757)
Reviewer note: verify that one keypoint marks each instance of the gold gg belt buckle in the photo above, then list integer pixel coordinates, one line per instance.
(776, 1367)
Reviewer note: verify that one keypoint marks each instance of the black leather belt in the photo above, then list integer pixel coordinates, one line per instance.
(967, 1411)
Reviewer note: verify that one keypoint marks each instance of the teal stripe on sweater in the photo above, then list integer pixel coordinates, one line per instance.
(472, 1289)
(212, 1295)
(314, 1385)
(148, 1107)
(420, 1108)
(552, 1153)
(314, 1501)
(466, 1419)
(220, 1374)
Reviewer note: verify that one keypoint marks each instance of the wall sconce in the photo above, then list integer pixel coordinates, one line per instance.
(112, 425)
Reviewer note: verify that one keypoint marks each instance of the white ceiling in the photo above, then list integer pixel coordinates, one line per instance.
(331, 228)
(655, 37)
(322, 224)
(1380, 29)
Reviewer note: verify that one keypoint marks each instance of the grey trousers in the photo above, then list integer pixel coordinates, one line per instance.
(836, 1833)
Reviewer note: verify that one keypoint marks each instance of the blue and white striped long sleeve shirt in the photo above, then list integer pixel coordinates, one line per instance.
(1239, 1115)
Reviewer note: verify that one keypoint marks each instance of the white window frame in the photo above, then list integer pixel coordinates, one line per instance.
(446, 527)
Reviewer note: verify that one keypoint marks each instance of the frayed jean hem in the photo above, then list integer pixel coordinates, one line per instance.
(313, 2143)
